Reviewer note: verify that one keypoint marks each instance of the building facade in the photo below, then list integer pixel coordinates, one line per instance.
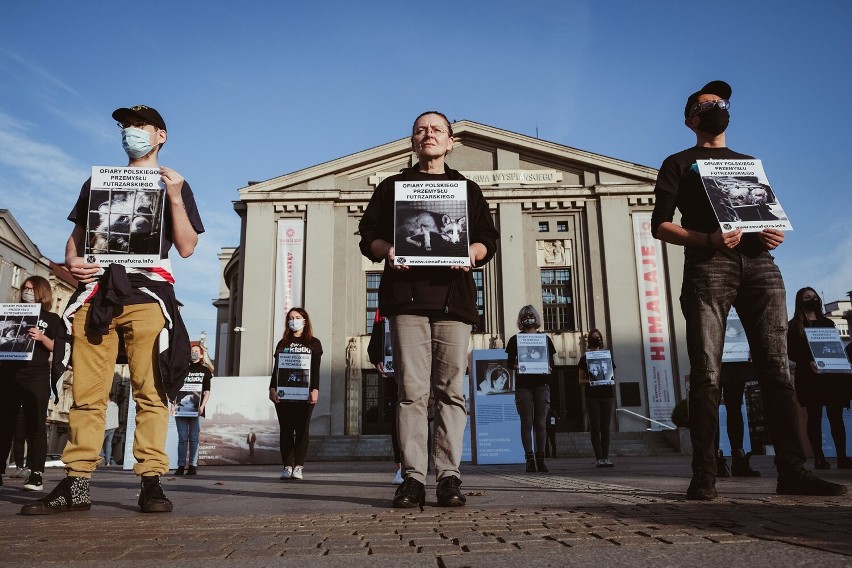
(575, 242)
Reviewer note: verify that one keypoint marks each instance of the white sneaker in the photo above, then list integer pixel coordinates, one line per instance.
(21, 472)
(599, 463)
(397, 479)
(297, 472)
(607, 463)
(287, 473)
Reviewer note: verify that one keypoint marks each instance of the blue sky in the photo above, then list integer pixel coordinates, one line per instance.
(255, 90)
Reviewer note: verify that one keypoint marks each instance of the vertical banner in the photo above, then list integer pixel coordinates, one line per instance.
(654, 315)
(289, 269)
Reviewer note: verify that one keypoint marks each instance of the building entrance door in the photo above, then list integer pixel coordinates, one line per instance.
(378, 398)
(565, 397)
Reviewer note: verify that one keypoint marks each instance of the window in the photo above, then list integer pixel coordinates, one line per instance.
(562, 226)
(480, 301)
(16, 277)
(556, 300)
(373, 281)
(543, 226)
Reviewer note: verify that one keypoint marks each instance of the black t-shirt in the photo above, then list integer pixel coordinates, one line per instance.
(39, 366)
(315, 349)
(679, 187)
(198, 373)
(602, 391)
(80, 213)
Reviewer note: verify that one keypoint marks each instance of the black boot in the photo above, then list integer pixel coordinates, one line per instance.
(740, 466)
(722, 467)
(539, 463)
(530, 462)
(151, 497)
(72, 494)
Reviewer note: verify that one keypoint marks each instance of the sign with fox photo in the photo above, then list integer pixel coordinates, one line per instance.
(431, 223)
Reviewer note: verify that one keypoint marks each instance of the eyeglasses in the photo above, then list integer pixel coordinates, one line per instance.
(723, 104)
(134, 124)
(424, 130)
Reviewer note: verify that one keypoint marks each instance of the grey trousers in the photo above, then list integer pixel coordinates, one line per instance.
(430, 355)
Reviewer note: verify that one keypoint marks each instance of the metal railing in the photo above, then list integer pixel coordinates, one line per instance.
(651, 420)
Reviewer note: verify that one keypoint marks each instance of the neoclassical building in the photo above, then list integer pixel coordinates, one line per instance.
(575, 242)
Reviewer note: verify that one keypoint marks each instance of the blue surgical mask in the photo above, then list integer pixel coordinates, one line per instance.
(296, 325)
(136, 142)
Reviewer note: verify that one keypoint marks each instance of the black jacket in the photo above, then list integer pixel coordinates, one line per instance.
(427, 289)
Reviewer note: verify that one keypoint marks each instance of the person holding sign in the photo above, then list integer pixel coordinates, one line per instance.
(379, 350)
(294, 388)
(25, 385)
(817, 390)
(530, 353)
(129, 303)
(595, 374)
(431, 307)
(197, 385)
(723, 269)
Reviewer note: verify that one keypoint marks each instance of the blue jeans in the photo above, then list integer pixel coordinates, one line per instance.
(188, 430)
(106, 451)
(755, 288)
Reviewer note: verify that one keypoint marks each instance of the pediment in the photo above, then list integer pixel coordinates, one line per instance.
(12, 235)
(489, 155)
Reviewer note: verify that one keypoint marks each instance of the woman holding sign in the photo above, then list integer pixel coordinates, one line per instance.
(429, 296)
(530, 353)
(196, 386)
(26, 384)
(294, 388)
(815, 390)
(596, 374)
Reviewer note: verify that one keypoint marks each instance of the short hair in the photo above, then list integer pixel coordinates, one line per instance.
(442, 115)
(42, 291)
(529, 311)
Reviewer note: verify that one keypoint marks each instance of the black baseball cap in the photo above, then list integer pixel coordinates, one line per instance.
(718, 88)
(146, 113)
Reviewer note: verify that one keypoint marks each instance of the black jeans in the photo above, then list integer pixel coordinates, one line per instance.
(755, 287)
(600, 416)
(834, 411)
(533, 405)
(32, 395)
(294, 419)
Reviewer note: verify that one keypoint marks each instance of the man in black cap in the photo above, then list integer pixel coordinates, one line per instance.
(724, 269)
(132, 305)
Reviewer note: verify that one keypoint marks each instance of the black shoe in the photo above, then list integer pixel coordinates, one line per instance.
(192, 470)
(741, 468)
(448, 492)
(539, 463)
(151, 497)
(410, 494)
(702, 488)
(722, 467)
(180, 471)
(806, 483)
(72, 494)
(530, 457)
(33, 482)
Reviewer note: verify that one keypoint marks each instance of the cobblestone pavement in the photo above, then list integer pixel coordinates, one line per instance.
(340, 515)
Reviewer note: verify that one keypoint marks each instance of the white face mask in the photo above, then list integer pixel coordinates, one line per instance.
(195, 357)
(296, 324)
(28, 296)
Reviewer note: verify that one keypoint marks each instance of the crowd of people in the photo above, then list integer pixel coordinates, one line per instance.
(429, 311)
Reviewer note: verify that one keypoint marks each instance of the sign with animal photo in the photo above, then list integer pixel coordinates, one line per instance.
(188, 401)
(294, 376)
(741, 196)
(736, 347)
(532, 354)
(827, 349)
(16, 321)
(430, 223)
(599, 365)
(125, 220)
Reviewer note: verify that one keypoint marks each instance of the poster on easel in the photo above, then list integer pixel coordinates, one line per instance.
(495, 424)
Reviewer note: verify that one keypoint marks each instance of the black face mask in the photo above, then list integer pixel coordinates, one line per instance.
(813, 304)
(713, 121)
(595, 342)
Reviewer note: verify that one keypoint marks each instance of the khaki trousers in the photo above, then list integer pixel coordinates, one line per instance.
(430, 354)
(93, 362)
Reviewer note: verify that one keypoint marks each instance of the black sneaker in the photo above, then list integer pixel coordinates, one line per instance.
(33, 482)
(702, 487)
(151, 497)
(180, 471)
(192, 470)
(449, 494)
(806, 483)
(72, 494)
(410, 494)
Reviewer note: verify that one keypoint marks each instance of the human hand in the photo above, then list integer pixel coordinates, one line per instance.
(814, 367)
(35, 334)
(380, 367)
(313, 397)
(391, 256)
(173, 181)
(83, 271)
(771, 238)
(273, 396)
(722, 241)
